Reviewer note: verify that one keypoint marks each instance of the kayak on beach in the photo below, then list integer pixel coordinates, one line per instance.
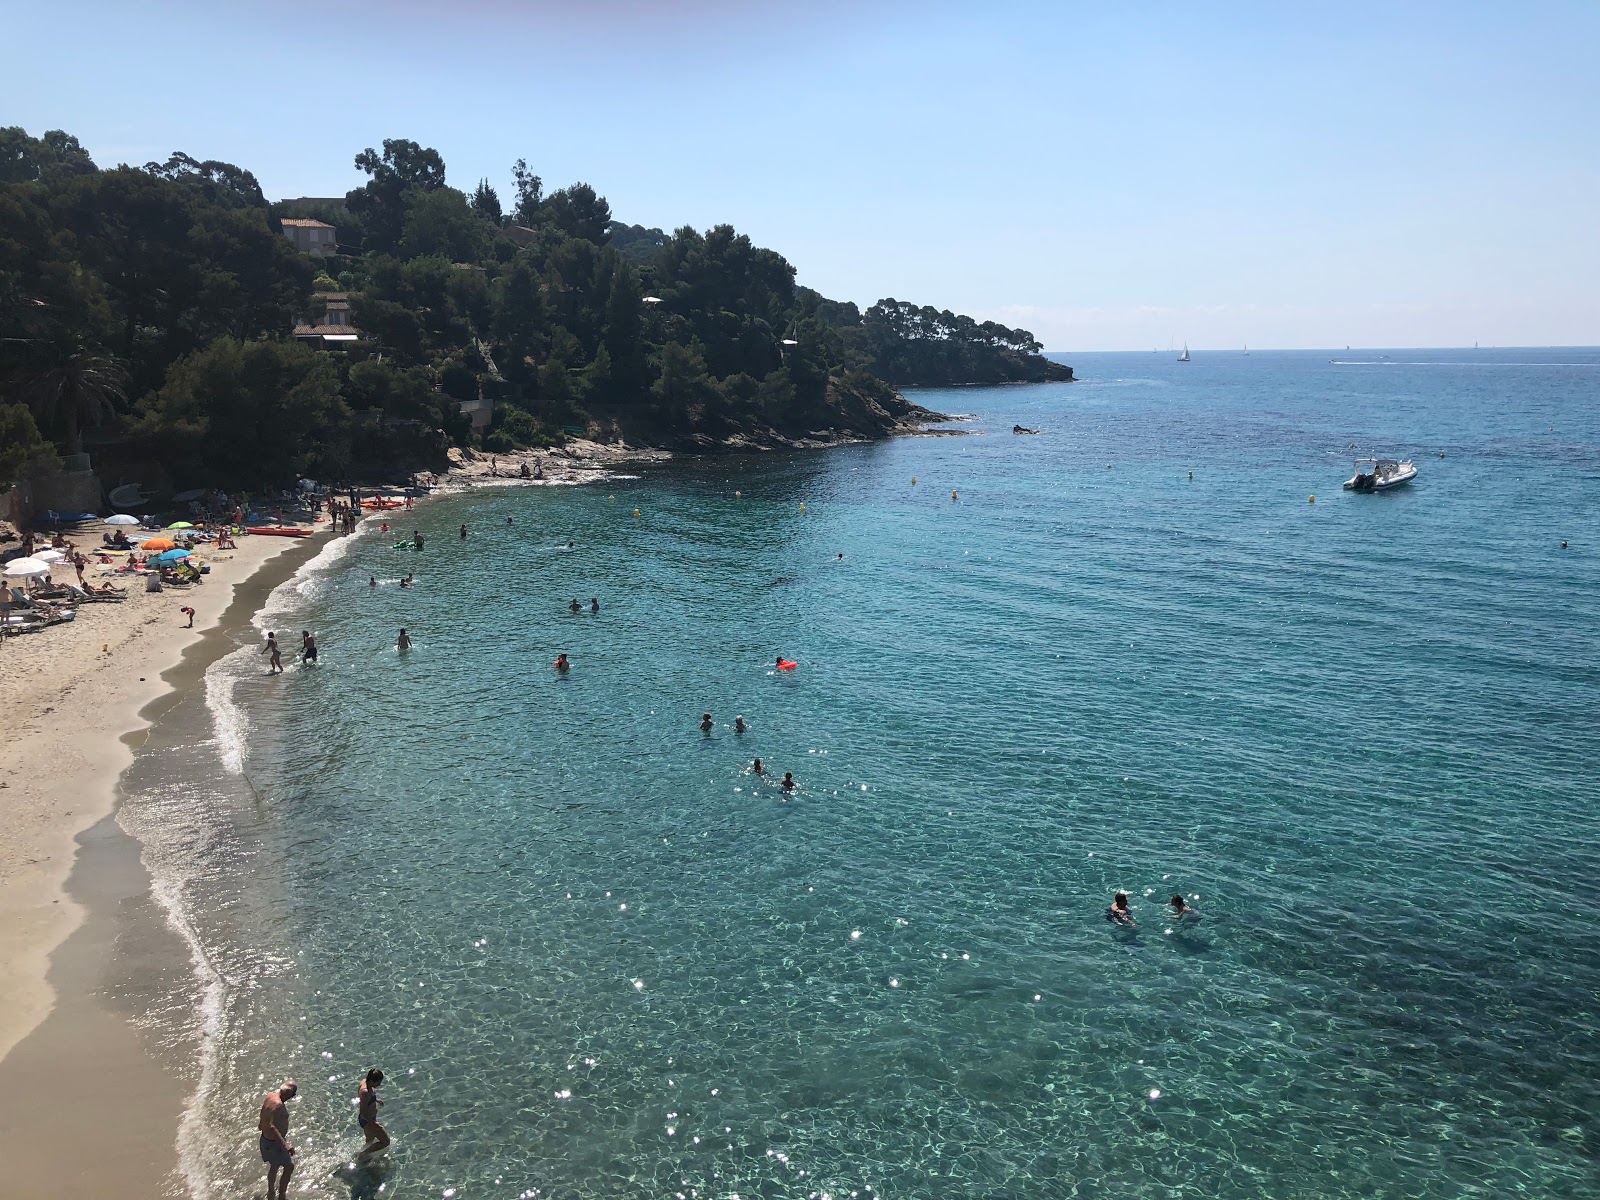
(275, 531)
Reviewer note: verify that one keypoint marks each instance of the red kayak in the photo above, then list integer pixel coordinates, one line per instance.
(276, 531)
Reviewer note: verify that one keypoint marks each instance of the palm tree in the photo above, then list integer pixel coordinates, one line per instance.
(81, 389)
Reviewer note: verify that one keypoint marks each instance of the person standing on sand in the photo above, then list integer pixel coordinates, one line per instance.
(5, 609)
(367, 1104)
(276, 661)
(188, 612)
(276, 1151)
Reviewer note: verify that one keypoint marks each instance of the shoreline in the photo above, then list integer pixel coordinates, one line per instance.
(84, 945)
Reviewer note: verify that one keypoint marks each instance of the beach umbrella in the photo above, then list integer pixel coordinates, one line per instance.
(122, 519)
(191, 494)
(159, 544)
(181, 525)
(51, 556)
(172, 556)
(23, 568)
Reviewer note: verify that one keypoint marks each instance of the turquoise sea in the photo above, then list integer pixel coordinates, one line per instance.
(598, 958)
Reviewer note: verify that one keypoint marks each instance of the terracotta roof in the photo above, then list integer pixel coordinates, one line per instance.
(305, 223)
(330, 295)
(338, 306)
(325, 330)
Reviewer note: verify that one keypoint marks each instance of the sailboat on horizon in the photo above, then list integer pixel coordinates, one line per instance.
(1184, 357)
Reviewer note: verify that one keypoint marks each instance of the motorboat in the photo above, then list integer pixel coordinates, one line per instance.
(1380, 474)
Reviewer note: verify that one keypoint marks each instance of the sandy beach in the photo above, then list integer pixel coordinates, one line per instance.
(82, 943)
(78, 697)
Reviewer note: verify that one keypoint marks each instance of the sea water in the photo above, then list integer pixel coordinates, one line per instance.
(598, 957)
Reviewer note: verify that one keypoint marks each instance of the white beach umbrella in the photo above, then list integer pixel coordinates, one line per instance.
(51, 556)
(122, 519)
(23, 568)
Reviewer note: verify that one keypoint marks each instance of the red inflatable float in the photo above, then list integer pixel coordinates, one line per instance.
(785, 664)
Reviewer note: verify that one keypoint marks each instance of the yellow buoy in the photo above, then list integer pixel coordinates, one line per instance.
(913, 481)
(1313, 500)
(738, 495)
(953, 495)
(802, 506)
(636, 513)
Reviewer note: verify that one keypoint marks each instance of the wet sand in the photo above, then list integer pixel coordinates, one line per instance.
(93, 1077)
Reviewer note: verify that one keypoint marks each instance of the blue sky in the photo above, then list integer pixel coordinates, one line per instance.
(1110, 176)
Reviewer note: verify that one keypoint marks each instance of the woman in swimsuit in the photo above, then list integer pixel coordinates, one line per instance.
(367, 1104)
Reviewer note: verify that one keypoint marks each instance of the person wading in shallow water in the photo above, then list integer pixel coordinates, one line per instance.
(367, 1104)
(276, 1150)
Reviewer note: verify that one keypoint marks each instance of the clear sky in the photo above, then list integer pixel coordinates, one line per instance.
(1111, 176)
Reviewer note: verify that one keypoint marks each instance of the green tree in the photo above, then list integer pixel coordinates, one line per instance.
(47, 159)
(486, 203)
(261, 414)
(219, 182)
(380, 203)
(579, 212)
(530, 194)
(82, 387)
(20, 441)
(441, 222)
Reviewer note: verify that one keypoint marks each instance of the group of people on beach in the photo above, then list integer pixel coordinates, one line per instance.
(278, 1152)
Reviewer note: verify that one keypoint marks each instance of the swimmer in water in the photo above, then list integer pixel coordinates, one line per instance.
(463, 533)
(404, 642)
(757, 769)
(372, 581)
(1181, 911)
(1119, 913)
(569, 545)
(508, 520)
(575, 606)
(788, 781)
(840, 558)
(738, 725)
(706, 723)
(594, 605)
(308, 647)
(562, 664)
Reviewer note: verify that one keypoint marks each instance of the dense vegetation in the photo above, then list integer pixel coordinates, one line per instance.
(155, 306)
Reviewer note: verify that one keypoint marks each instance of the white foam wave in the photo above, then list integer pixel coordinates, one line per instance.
(228, 721)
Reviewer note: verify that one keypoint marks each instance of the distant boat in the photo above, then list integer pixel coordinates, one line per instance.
(1184, 357)
(1381, 475)
(1247, 351)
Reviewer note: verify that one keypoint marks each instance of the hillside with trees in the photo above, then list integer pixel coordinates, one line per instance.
(151, 310)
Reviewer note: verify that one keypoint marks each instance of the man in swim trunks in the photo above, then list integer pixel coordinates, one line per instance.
(757, 768)
(367, 1104)
(276, 1151)
(575, 606)
(308, 647)
(1119, 913)
(562, 664)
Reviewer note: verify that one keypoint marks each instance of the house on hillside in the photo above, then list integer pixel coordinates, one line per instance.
(327, 323)
(311, 237)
